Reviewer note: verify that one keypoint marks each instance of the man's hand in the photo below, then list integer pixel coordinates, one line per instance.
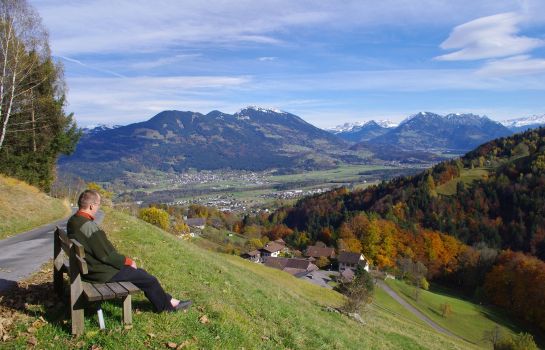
(133, 265)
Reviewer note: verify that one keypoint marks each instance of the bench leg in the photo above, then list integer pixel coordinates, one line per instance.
(101, 319)
(77, 321)
(127, 310)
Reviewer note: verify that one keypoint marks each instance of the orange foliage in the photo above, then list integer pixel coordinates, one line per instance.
(516, 283)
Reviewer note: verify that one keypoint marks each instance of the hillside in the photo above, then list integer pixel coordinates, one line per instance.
(494, 194)
(252, 139)
(248, 306)
(23, 207)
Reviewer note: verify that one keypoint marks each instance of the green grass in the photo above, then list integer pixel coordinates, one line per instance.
(386, 303)
(249, 306)
(468, 320)
(24, 207)
(467, 176)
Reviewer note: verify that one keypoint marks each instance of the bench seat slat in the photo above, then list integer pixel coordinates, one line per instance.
(106, 292)
(90, 292)
(118, 289)
(130, 287)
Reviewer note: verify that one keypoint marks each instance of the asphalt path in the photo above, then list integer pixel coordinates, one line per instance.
(414, 311)
(24, 253)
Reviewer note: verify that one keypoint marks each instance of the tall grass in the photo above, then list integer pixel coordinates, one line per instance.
(23, 207)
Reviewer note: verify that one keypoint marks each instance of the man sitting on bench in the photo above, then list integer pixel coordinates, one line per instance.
(105, 264)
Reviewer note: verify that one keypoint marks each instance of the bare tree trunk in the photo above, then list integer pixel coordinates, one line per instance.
(33, 129)
(5, 51)
(12, 96)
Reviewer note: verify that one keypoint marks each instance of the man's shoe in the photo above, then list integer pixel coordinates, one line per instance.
(183, 305)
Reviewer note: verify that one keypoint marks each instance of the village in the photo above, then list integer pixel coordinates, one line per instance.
(194, 178)
(318, 264)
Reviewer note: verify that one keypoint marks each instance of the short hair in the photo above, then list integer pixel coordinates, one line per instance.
(88, 197)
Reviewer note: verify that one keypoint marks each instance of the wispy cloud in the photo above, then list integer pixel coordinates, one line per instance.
(488, 37)
(73, 60)
(100, 100)
(118, 26)
(267, 58)
(517, 65)
(163, 61)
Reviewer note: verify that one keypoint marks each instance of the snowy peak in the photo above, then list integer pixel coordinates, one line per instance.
(357, 126)
(93, 129)
(386, 123)
(261, 109)
(522, 122)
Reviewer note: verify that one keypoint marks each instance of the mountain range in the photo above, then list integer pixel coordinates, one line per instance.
(366, 131)
(257, 139)
(252, 139)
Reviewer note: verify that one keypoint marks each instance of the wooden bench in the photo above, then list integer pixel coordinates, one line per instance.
(69, 257)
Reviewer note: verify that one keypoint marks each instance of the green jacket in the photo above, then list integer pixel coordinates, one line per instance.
(103, 261)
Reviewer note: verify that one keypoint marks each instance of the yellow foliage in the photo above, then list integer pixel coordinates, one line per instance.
(155, 216)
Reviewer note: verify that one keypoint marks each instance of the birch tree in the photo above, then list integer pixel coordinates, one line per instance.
(23, 46)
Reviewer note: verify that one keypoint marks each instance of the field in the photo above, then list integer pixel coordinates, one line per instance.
(245, 190)
(23, 207)
(247, 306)
(467, 176)
(468, 320)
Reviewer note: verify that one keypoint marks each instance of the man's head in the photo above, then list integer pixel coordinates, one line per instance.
(89, 201)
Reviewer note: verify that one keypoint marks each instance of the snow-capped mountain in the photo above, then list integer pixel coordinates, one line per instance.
(93, 129)
(456, 131)
(521, 124)
(356, 126)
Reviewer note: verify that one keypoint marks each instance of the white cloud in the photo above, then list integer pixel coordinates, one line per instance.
(267, 58)
(124, 100)
(488, 37)
(517, 65)
(137, 25)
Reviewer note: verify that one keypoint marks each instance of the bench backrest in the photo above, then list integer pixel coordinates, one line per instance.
(69, 257)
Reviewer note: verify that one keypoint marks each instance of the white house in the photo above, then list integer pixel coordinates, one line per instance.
(272, 249)
(349, 260)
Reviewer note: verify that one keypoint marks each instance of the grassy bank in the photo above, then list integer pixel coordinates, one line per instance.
(23, 207)
(248, 306)
(468, 320)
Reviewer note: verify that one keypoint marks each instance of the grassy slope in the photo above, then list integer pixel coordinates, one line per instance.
(467, 176)
(249, 306)
(468, 320)
(23, 207)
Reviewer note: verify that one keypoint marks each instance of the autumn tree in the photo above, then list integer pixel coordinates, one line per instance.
(446, 310)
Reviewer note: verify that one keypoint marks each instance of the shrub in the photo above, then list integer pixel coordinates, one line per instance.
(522, 341)
(446, 310)
(359, 292)
(155, 216)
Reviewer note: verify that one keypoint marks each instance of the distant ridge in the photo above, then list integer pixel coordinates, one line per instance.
(254, 138)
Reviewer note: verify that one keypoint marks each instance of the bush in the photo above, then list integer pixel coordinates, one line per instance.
(359, 292)
(446, 310)
(522, 341)
(155, 216)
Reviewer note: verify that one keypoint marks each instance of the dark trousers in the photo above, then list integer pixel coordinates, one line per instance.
(148, 283)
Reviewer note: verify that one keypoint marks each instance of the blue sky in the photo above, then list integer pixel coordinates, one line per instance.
(329, 62)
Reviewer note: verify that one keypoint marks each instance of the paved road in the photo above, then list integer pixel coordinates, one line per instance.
(414, 311)
(25, 253)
